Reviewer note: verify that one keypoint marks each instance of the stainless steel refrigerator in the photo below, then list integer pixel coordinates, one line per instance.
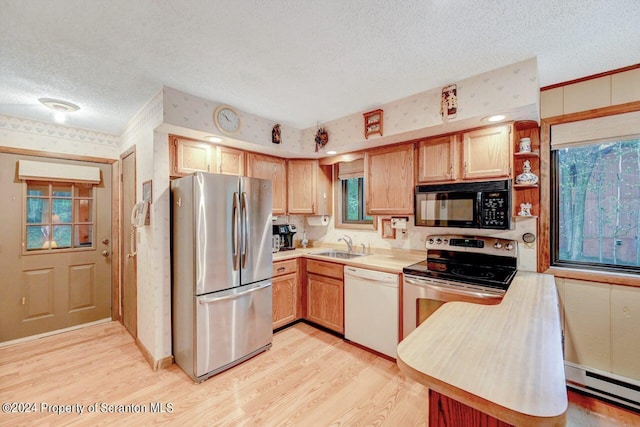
(222, 269)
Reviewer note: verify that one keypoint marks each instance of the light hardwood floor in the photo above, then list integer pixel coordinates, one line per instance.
(308, 378)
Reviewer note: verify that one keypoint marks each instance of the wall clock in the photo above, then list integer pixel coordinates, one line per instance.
(227, 119)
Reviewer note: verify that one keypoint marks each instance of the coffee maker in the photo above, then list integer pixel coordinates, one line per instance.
(285, 233)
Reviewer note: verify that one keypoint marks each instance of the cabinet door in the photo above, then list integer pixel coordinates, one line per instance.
(284, 299)
(325, 302)
(487, 153)
(275, 169)
(230, 161)
(302, 186)
(389, 180)
(438, 159)
(192, 156)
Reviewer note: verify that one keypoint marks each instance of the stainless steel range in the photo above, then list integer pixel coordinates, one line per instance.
(457, 268)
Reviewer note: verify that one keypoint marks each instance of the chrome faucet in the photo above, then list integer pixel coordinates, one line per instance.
(348, 241)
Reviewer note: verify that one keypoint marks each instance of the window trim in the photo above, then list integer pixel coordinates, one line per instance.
(337, 208)
(544, 225)
(554, 247)
(49, 251)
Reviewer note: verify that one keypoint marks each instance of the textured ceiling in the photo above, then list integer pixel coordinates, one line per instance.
(298, 62)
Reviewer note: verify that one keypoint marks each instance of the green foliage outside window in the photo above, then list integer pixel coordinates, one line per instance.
(353, 202)
(597, 205)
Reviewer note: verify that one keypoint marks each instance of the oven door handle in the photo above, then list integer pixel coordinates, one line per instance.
(451, 290)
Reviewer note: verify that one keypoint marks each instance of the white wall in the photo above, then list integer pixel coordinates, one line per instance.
(153, 282)
(512, 89)
(33, 135)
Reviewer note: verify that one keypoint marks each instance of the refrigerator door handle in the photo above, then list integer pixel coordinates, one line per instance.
(245, 229)
(235, 240)
(234, 295)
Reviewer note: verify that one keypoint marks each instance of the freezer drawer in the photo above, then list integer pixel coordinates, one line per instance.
(232, 326)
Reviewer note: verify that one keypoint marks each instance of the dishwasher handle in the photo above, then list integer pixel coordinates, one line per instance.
(372, 276)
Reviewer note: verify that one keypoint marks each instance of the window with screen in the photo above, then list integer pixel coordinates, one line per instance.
(595, 202)
(351, 195)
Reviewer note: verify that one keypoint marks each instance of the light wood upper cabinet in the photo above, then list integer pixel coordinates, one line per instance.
(190, 156)
(487, 153)
(438, 159)
(275, 169)
(302, 183)
(389, 180)
(230, 161)
(308, 188)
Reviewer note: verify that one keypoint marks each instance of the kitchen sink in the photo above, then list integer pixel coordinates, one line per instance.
(339, 254)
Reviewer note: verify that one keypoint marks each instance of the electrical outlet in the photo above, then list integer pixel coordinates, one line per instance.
(400, 223)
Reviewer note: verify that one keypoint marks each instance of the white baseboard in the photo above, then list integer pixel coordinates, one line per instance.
(606, 385)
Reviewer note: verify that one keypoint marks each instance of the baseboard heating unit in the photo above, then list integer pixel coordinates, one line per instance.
(606, 385)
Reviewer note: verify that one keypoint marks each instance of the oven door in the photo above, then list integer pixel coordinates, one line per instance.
(423, 296)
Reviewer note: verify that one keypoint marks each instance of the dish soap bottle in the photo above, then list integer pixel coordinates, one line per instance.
(305, 242)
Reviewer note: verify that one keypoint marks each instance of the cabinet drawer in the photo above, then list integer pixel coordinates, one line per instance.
(325, 268)
(285, 267)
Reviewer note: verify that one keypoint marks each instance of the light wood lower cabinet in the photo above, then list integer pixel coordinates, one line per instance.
(325, 294)
(285, 285)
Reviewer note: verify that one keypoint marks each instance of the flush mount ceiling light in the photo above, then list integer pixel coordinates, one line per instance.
(494, 118)
(213, 138)
(60, 108)
(331, 152)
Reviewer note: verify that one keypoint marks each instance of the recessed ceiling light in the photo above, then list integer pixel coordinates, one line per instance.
(331, 152)
(494, 118)
(213, 138)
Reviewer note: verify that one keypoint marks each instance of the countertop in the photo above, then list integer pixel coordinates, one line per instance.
(504, 360)
(390, 261)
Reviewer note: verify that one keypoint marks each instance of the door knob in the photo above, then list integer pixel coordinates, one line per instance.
(105, 254)
(105, 241)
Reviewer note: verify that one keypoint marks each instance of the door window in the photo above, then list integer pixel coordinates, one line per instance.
(59, 216)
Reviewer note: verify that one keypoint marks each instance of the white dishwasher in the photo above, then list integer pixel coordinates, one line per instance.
(371, 309)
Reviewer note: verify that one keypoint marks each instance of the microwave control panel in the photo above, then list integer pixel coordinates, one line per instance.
(495, 210)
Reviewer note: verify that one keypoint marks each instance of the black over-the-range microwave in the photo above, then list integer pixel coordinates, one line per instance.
(467, 205)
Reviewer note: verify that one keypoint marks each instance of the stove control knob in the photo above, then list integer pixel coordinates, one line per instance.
(431, 241)
(509, 246)
(439, 241)
(446, 241)
(497, 245)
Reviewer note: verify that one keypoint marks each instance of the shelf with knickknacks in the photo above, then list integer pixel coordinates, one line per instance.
(526, 161)
(373, 123)
(527, 177)
(525, 209)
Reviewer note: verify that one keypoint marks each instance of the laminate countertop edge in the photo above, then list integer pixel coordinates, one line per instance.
(387, 261)
(504, 360)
